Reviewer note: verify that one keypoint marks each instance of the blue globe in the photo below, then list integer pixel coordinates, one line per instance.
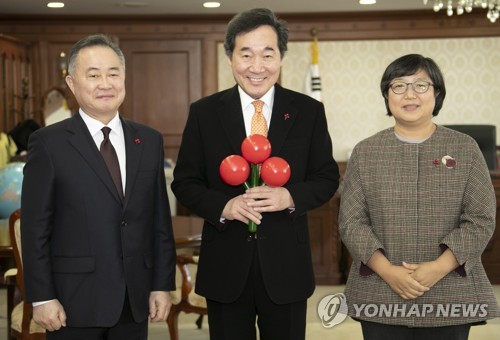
(11, 181)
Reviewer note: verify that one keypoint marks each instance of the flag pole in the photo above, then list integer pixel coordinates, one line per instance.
(313, 79)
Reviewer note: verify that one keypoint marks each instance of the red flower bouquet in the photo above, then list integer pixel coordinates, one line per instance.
(256, 149)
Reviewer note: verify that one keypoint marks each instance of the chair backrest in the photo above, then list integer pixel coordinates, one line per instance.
(23, 326)
(486, 138)
(15, 239)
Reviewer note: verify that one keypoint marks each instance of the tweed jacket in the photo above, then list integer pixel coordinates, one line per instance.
(406, 200)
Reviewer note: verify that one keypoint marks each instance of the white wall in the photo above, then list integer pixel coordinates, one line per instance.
(351, 72)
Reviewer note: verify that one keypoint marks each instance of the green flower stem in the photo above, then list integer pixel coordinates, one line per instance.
(255, 175)
(254, 181)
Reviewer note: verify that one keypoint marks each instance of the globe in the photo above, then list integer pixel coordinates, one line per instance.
(11, 181)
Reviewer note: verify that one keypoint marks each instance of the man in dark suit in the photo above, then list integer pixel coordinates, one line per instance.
(266, 276)
(98, 247)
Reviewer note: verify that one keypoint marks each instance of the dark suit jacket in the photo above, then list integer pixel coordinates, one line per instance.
(299, 134)
(80, 244)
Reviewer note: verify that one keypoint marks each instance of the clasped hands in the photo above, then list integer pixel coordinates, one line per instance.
(255, 201)
(411, 280)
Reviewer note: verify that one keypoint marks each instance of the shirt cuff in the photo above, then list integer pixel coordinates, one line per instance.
(42, 302)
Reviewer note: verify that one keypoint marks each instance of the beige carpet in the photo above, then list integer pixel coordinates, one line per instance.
(347, 330)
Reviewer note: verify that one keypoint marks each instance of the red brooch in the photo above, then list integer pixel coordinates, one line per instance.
(449, 162)
(137, 141)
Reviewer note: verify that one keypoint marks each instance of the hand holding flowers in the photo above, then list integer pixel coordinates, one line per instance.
(256, 149)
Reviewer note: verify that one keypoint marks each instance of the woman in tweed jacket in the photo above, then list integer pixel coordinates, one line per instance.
(417, 211)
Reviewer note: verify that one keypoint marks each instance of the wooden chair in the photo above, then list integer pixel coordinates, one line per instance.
(184, 299)
(22, 325)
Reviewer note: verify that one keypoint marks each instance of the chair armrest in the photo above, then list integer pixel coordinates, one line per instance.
(183, 262)
(10, 275)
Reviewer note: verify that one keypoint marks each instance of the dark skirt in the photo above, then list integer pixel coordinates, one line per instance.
(379, 331)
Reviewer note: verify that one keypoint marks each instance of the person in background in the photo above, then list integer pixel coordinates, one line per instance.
(417, 211)
(266, 276)
(98, 248)
(8, 149)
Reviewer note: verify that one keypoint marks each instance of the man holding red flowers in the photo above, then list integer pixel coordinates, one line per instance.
(267, 276)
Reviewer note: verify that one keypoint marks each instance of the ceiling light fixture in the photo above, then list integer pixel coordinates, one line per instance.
(133, 4)
(462, 6)
(211, 4)
(55, 5)
(367, 2)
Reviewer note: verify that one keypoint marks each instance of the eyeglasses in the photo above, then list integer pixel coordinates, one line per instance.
(420, 86)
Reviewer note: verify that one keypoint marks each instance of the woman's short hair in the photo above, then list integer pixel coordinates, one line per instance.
(406, 66)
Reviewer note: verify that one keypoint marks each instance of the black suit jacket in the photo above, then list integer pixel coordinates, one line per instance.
(80, 244)
(298, 133)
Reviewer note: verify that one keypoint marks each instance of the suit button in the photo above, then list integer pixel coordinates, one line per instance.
(124, 224)
(249, 238)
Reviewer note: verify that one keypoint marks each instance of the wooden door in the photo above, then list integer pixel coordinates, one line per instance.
(163, 77)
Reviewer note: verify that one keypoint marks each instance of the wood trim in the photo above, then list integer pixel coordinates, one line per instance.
(330, 26)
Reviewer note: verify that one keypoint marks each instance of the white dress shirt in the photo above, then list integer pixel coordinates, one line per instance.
(248, 108)
(116, 137)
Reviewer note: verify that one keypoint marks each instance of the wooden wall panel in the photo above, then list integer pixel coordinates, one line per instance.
(16, 88)
(325, 242)
(163, 79)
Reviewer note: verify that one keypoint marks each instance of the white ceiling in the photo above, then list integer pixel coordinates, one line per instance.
(179, 7)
